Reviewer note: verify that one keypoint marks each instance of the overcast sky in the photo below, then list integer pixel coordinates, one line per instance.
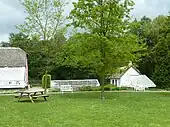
(12, 13)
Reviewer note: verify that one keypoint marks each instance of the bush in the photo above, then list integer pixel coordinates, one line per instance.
(121, 88)
(31, 81)
(86, 88)
(97, 88)
(167, 89)
(89, 88)
(109, 87)
(46, 81)
(35, 85)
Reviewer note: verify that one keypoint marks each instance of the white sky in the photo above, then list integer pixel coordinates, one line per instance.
(12, 13)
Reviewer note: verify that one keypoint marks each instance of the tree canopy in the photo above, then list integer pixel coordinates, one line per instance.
(44, 18)
(107, 44)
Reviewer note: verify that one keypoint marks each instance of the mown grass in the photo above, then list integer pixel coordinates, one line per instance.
(87, 110)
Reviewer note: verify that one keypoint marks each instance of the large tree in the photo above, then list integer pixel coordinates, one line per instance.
(41, 54)
(161, 55)
(107, 43)
(44, 18)
(149, 31)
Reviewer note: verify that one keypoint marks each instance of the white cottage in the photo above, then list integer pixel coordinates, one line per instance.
(13, 68)
(130, 77)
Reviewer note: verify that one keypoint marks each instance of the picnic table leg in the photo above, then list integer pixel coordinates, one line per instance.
(31, 98)
(20, 96)
(44, 97)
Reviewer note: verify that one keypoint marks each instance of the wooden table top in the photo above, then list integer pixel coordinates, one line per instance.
(32, 90)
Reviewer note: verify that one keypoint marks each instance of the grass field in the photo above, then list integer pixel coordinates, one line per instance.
(87, 110)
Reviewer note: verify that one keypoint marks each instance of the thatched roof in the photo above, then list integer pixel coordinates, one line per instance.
(12, 57)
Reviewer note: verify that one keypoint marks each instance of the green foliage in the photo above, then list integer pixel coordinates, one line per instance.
(156, 34)
(4, 44)
(86, 88)
(167, 89)
(44, 18)
(84, 51)
(108, 43)
(109, 87)
(46, 81)
(149, 31)
(161, 75)
(42, 55)
(90, 88)
(97, 88)
(102, 17)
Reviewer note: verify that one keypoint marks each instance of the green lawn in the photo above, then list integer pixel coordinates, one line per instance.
(87, 110)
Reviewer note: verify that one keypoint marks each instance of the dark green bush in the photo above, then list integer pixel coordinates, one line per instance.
(86, 88)
(36, 85)
(97, 88)
(121, 88)
(167, 89)
(109, 87)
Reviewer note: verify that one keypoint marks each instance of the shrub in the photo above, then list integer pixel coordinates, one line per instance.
(109, 87)
(96, 88)
(167, 89)
(86, 88)
(89, 88)
(122, 88)
(46, 81)
(35, 85)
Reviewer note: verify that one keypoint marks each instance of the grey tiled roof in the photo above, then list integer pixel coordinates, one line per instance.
(12, 57)
(121, 71)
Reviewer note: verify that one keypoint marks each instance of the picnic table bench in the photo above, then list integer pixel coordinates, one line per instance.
(32, 93)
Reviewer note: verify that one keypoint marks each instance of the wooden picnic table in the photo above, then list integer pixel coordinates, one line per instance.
(32, 93)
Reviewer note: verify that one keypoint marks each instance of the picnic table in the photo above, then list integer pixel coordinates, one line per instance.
(32, 93)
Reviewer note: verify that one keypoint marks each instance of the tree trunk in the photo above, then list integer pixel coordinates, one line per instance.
(102, 86)
(45, 89)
